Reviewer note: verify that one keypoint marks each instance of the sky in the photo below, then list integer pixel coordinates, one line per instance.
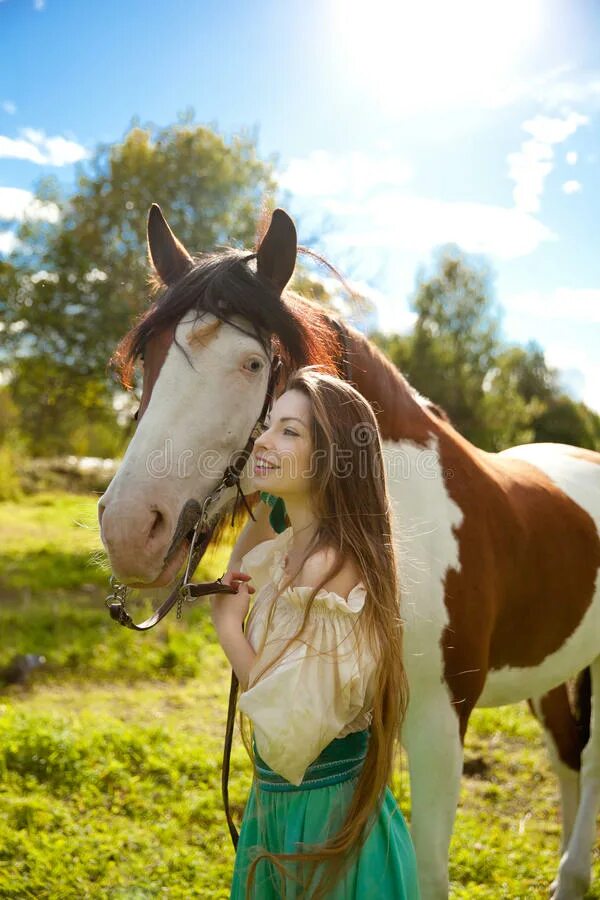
(395, 128)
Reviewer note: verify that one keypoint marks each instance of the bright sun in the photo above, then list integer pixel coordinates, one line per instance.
(440, 53)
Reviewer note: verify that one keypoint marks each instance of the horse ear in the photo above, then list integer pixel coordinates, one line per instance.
(168, 255)
(276, 256)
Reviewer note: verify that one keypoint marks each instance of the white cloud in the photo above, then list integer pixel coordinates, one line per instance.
(556, 90)
(34, 146)
(573, 304)
(9, 107)
(563, 87)
(418, 224)
(551, 130)
(38, 5)
(321, 174)
(571, 157)
(365, 198)
(8, 242)
(579, 373)
(17, 204)
(531, 165)
(15, 148)
(572, 187)
(528, 169)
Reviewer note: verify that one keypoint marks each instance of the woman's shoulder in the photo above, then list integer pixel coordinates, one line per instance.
(321, 561)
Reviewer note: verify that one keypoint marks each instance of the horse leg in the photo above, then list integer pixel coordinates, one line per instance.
(575, 865)
(431, 735)
(561, 735)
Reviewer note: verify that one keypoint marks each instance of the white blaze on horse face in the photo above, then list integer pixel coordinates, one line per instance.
(198, 416)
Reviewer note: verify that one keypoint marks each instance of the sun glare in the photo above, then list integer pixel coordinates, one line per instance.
(436, 53)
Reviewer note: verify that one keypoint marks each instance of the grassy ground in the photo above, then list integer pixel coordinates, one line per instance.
(49, 542)
(110, 760)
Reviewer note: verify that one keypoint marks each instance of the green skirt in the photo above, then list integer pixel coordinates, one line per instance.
(279, 816)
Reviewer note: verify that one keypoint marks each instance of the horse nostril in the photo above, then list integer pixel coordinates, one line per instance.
(157, 525)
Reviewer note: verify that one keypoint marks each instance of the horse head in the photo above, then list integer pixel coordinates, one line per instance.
(206, 344)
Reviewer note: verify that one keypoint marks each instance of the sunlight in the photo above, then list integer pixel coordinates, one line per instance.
(435, 53)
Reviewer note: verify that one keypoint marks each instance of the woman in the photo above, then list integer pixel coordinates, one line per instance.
(320, 663)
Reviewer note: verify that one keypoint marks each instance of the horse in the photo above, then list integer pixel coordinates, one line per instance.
(498, 553)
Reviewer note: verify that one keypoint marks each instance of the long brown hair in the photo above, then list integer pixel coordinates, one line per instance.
(353, 511)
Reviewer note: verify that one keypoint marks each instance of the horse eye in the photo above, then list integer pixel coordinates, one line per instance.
(136, 414)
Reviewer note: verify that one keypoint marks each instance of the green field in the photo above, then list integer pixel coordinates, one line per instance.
(110, 760)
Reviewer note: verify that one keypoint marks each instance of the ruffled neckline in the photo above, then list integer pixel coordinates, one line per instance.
(353, 603)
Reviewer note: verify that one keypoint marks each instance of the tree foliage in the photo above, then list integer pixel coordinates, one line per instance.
(496, 394)
(87, 278)
(74, 286)
(454, 337)
(79, 278)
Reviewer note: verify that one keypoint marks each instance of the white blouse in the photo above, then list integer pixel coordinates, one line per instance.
(322, 687)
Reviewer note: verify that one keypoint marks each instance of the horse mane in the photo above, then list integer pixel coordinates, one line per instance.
(438, 411)
(225, 285)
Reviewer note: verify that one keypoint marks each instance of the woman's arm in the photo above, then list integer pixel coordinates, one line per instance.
(230, 611)
(235, 644)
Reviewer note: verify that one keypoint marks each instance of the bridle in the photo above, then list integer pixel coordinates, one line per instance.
(194, 517)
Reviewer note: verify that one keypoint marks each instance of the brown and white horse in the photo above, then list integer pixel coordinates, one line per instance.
(499, 553)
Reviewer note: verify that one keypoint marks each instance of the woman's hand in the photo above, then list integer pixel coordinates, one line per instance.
(232, 609)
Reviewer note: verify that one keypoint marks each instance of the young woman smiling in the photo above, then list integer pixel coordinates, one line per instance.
(320, 663)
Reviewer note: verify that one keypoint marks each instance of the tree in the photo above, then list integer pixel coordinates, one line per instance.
(568, 422)
(453, 343)
(74, 286)
(510, 404)
(496, 394)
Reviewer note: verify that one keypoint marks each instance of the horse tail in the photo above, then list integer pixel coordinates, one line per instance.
(583, 706)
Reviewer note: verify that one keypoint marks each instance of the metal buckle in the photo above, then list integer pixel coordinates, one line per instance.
(118, 595)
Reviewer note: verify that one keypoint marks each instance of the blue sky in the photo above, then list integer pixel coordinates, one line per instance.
(402, 126)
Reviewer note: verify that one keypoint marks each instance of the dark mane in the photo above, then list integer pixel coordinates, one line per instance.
(226, 286)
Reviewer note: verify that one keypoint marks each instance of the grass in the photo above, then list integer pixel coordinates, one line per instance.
(110, 761)
(49, 542)
(115, 792)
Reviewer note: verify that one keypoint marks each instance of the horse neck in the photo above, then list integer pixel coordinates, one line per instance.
(399, 414)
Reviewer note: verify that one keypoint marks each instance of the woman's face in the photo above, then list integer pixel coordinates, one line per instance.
(281, 458)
